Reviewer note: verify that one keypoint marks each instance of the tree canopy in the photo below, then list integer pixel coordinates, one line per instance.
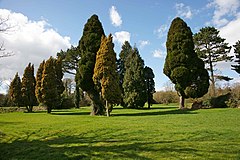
(211, 48)
(150, 84)
(15, 91)
(237, 54)
(182, 65)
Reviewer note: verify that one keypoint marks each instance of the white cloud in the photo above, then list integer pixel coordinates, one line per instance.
(115, 17)
(183, 10)
(161, 31)
(32, 41)
(142, 43)
(158, 53)
(121, 37)
(224, 9)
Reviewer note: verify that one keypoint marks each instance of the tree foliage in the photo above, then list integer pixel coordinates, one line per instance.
(50, 93)
(211, 48)
(38, 89)
(134, 83)
(59, 76)
(237, 54)
(15, 91)
(105, 73)
(182, 65)
(126, 50)
(88, 46)
(28, 88)
(150, 84)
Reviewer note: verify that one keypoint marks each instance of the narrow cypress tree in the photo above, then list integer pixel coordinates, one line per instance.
(49, 85)
(237, 53)
(105, 73)
(15, 91)
(134, 83)
(38, 89)
(88, 46)
(59, 76)
(182, 64)
(126, 50)
(150, 84)
(28, 88)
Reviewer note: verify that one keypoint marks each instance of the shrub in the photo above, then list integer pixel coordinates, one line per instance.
(165, 97)
(217, 102)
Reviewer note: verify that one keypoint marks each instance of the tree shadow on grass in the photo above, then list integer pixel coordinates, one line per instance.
(103, 144)
(70, 113)
(150, 113)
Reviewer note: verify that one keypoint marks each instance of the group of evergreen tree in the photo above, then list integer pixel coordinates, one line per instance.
(46, 88)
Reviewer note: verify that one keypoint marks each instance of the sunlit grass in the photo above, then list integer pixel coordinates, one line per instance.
(163, 132)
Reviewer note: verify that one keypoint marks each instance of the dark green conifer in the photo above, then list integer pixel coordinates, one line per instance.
(28, 88)
(150, 84)
(134, 85)
(237, 54)
(88, 46)
(15, 91)
(182, 64)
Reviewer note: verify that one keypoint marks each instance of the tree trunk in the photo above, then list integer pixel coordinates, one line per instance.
(29, 108)
(181, 102)
(49, 109)
(212, 76)
(97, 106)
(107, 109)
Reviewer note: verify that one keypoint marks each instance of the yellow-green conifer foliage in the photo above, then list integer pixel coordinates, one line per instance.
(38, 89)
(49, 90)
(28, 88)
(105, 73)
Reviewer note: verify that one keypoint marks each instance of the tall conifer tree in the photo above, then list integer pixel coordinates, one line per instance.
(88, 46)
(150, 84)
(211, 48)
(15, 91)
(38, 89)
(105, 73)
(182, 65)
(50, 94)
(28, 88)
(134, 85)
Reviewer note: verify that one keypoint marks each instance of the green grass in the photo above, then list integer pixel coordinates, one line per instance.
(160, 133)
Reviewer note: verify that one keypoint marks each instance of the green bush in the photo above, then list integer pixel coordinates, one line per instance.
(217, 102)
(67, 103)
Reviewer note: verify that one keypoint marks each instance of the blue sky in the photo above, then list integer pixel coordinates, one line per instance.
(44, 27)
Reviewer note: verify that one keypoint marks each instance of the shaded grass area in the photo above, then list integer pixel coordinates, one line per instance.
(163, 132)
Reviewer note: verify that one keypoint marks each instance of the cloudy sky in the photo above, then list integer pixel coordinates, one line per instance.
(42, 28)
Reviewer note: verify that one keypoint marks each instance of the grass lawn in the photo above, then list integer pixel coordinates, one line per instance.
(163, 132)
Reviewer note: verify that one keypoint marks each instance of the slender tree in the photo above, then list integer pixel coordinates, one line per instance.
(126, 50)
(88, 46)
(105, 73)
(28, 88)
(38, 89)
(15, 91)
(237, 54)
(182, 65)
(211, 48)
(49, 86)
(134, 85)
(59, 76)
(150, 84)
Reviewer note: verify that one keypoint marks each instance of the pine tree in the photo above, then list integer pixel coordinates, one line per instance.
(105, 73)
(237, 54)
(150, 84)
(15, 91)
(182, 64)
(38, 89)
(134, 83)
(88, 46)
(50, 94)
(28, 88)
(126, 50)
(211, 48)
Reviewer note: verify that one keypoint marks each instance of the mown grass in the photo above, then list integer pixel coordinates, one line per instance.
(164, 132)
